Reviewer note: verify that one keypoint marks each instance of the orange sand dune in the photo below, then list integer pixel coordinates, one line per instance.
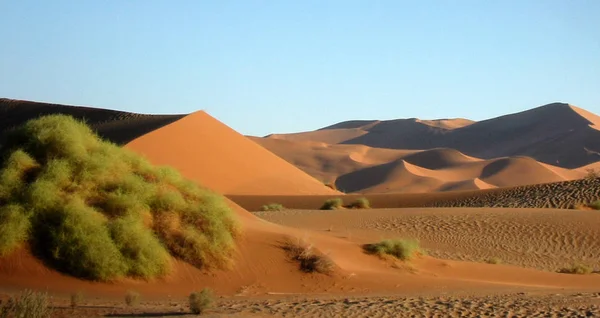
(206, 150)
(558, 134)
(372, 170)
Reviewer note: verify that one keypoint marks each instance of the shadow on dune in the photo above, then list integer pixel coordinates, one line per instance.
(117, 126)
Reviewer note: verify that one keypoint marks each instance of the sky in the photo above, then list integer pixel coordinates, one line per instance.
(284, 66)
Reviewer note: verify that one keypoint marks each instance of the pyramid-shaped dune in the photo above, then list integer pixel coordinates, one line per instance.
(211, 153)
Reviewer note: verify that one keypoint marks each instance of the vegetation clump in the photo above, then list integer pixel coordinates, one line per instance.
(402, 249)
(272, 207)
(309, 259)
(333, 204)
(132, 298)
(28, 304)
(94, 210)
(360, 203)
(201, 301)
(579, 269)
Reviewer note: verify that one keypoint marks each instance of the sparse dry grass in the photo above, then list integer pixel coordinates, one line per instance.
(360, 203)
(402, 249)
(333, 204)
(579, 269)
(309, 259)
(272, 207)
(132, 298)
(493, 260)
(201, 301)
(28, 304)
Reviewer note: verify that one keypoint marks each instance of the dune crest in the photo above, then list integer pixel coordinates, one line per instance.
(218, 157)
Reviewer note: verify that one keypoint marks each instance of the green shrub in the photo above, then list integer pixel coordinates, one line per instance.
(76, 239)
(100, 212)
(28, 304)
(595, 205)
(399, 248)
(333, 204)
(201, 301)
(272, 207)
(360, 203)
(580, 269)
(132, 298)
(14, 227)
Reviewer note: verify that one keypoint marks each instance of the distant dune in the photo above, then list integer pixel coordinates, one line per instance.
(116, 126)
(558, 134)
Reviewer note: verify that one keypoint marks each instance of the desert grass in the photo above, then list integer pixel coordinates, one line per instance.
(493, 260)
(402, 249)
(96, 211)
(132, 298)
(579, 269)
(333, 204)
(309, 258)
(272, 207)
(360, 203)
(28, 304)
(201, 301)
(76, 299)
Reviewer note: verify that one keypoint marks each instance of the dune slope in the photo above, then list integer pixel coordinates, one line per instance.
(218, 157)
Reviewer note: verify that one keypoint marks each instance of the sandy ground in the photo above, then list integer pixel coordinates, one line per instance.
(523, 304)
(537, 238)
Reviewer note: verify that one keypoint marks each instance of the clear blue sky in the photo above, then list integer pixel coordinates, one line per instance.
(286, 66)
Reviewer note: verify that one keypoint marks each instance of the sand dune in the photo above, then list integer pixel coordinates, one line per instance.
(116, 126)
(557, 134)
(218, 157)
(359, 168)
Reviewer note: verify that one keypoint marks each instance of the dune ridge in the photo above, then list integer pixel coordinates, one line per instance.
(536, 133)
(117, 126)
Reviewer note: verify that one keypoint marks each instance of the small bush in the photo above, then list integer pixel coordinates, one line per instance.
(201, 301)
(579, 269)
(309, 259)
(399, 248)
(28, 304)
(333, 204)
(272, 207)
(493, 260)
(360, 203)
(132, 298)
(76, 299)
(594, 205)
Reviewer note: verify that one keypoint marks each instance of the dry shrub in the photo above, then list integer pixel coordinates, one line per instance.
(272, 207)
(28, 304)
(360, 203)
(402, 249)
(132, 298)
(493, 260)
(310, 259)
(579, 269)
(201, 301)
(333, 204)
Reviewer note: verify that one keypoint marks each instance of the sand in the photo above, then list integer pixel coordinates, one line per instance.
(209, 152)
(452, 278)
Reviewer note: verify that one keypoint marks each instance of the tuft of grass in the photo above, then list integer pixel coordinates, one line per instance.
(309, 259)
(332, 204)
(594, 205)
(76, 299)
(132, 298)
(402, 249)
(272, 207)
(579, 269)
(360, 203)
(201, 301)
(493, 260)
(28, 304)
(94, 210)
